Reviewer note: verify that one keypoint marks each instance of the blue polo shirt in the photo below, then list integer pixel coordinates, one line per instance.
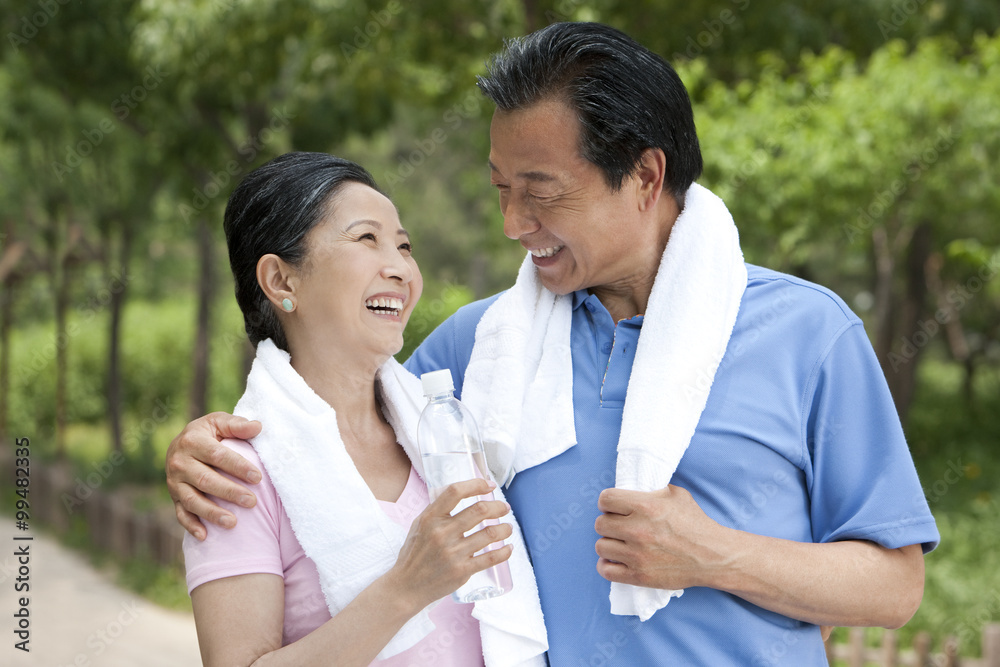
(799, 440)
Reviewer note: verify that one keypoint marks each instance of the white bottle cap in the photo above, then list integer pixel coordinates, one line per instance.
(437, 382)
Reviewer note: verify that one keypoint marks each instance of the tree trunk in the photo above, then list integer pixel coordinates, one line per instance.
(117, 288)
(206, 291)
(60, 268)
(531, 16)
(884, 265)
(968, 383)
(6, 312)
(903, 381)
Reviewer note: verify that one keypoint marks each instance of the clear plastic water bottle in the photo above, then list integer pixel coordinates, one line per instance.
(451, 452)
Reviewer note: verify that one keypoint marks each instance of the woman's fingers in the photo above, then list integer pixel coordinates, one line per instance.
(481, 539)
(490, 558)
(477, 513)
(454, 493)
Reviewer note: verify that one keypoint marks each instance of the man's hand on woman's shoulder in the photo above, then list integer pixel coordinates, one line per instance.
(191, 463)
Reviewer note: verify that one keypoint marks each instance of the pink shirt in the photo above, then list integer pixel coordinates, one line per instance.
(263, 542)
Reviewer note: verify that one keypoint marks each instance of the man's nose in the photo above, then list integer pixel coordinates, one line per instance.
(518, 219)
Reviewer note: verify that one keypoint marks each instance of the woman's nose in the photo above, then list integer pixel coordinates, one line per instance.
(398, 267)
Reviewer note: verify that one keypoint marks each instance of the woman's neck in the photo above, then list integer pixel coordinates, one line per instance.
(348, 386)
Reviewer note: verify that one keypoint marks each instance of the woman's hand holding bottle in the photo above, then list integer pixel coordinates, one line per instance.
(437, 557)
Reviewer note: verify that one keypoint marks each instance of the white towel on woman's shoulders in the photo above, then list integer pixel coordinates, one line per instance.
(338, 520)
(520, 375)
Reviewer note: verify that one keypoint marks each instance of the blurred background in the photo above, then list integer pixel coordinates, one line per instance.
(856, 143)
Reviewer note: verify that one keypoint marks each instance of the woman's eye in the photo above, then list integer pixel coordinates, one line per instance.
(406, 247)
(369, 236)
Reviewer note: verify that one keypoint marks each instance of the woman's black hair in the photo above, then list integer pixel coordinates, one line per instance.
(627, 98)
(270, 212)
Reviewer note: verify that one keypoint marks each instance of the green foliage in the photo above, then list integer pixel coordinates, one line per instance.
(164, 586)
(438, 302)
(954, 449)
(825, 126)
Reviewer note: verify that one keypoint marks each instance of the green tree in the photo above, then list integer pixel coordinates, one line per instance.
(862, 177)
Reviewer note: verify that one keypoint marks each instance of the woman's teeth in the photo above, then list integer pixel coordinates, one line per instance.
(546, 252)
(388, 306)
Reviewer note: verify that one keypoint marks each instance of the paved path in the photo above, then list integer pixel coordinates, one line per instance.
(79, 617)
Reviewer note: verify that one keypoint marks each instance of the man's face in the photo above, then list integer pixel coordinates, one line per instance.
(580, 233)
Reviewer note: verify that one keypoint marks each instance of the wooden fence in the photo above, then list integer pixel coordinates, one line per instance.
(113, 522)
(856, 654)
(115, 525)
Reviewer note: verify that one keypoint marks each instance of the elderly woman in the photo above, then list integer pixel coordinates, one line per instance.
(360, 569)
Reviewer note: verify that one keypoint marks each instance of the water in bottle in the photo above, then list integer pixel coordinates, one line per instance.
(451, 451)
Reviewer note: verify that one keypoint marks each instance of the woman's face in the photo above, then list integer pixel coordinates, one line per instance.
(358, 283)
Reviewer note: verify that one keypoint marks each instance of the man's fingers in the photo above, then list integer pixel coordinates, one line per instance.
(616, 501)
(231, 426)
(193, 502)
(612, 525)
(613, 550)
(190, 522)
(208, 481)
(614, 571)
(229, 461)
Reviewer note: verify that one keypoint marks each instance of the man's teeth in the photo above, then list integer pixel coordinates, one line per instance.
(390, 305)
(546, 252)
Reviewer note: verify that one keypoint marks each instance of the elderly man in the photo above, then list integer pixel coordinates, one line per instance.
(706, 426)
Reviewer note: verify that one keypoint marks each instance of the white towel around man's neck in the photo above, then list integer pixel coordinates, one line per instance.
(338, 520)
(520, 374)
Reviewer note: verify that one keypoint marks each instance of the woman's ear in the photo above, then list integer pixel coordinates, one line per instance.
(650, 176)
(278, 279)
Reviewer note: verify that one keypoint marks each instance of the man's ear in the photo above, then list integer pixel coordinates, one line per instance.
(277, 278)
(650, 176)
